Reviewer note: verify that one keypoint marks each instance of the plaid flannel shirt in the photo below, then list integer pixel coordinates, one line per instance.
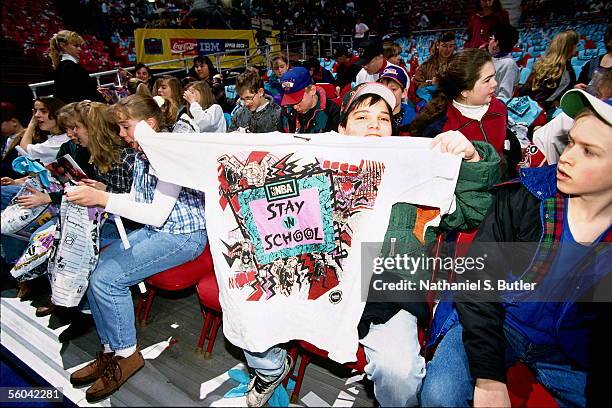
(119, 178)
(188, 213)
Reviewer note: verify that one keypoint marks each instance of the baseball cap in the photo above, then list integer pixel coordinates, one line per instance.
(294, 82)
(374, 88)
(395, 73)
(368, 50)
(576, 99)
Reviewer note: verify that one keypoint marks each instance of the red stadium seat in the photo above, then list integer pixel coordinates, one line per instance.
(330, 89)
(208, 294)
(306, 351)
(173, 279)
(526, 391)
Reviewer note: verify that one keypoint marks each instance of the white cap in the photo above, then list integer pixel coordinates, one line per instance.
(576, 99)
(373, 88)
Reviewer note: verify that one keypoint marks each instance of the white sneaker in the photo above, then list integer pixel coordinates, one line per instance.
(262, 388)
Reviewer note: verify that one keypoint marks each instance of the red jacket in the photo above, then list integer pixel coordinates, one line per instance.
(480, 27)
(491, 128)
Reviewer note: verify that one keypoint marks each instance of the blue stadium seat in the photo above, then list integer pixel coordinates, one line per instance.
(525, 72)
(230, 91)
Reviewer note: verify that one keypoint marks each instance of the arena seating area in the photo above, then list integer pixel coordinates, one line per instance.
(110, 43)
(29, 25)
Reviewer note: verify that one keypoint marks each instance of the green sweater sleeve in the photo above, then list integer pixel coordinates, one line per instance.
(473, 196)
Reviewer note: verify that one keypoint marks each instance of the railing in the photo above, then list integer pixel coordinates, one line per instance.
(245, 58)
(310, 45)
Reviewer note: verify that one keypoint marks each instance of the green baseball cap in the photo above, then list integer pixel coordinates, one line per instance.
(575, 100)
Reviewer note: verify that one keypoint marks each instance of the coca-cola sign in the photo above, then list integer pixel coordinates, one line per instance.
(184, 46)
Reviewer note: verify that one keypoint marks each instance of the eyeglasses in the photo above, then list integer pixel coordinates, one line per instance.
(248, 98)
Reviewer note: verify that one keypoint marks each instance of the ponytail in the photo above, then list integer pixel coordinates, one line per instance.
(141, 107)
(436, 107)
(57, 43)
(461, 74)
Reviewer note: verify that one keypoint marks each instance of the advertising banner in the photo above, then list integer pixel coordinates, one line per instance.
(156, 45)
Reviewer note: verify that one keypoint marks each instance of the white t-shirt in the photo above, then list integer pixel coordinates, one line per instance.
(363, 76)
(204, 120)
(46, 151)
(360, 30)
(552, 138)
(286, 217)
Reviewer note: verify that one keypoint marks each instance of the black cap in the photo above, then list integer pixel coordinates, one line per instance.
(368, 50)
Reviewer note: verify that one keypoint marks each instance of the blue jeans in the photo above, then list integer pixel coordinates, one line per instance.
(449, 383)
(109, 293)
(392, 352)
(268, 363)
(7, 193)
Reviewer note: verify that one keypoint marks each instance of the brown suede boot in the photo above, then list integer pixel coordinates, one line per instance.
(116, 373)
(92, 371)
(46, 310)
(25, 289)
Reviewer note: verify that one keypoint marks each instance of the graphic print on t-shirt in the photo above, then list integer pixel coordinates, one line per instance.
(294, 221)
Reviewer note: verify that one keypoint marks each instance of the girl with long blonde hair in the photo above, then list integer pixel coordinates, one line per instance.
(174, 233)
(72, 82)
(553, 74)
(112, 160)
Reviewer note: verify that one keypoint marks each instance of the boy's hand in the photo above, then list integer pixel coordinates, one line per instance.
(455, 142)
(490, 393)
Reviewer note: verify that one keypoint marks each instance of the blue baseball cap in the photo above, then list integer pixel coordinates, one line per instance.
(294, 82)
(395, 73)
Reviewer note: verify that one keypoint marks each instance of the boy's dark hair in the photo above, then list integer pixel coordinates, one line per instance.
(370, 99)
(249, 80)
(280, 57)
(141, 65)
(506, 35)
(342, 51)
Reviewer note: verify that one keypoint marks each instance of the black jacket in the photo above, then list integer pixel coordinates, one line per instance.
(515, 217)
(73, 83)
